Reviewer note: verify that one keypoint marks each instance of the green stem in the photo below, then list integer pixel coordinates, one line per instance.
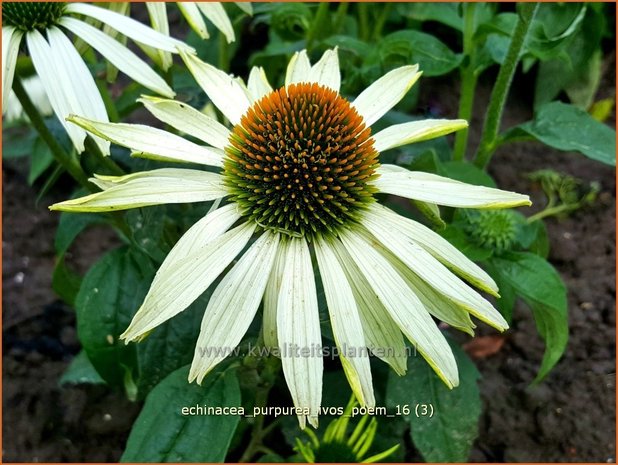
(377, 30)
(500, 91)
(108, 101)
(257, 433)
(318, 20)
(468, 80)
(340, 14)
(69, 163)
(106, 162)
(549, 212)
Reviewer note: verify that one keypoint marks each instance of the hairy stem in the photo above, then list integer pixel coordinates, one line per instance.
(500, 91)
(468, 80)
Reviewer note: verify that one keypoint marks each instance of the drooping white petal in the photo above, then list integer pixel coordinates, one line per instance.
(382, 334)
(258, 84)
(299, 68)
(215, 12)
(193, 16)
(404, 306)
(159, 22)
(437, 246)
(55, 83)
(415, 131)
(149, 188)
(119, 55)
(435, 303)
(222, 89)
(346, 323)
(11, 38)
(179, 284)
(80, 81)
(129, 27)
(187, 119)
(246, 7)
(432, 188)
(149, 142)
(385, 93)
(271, 299)
(326, 70)
(233, 306)
(298, 331)
(431, 270)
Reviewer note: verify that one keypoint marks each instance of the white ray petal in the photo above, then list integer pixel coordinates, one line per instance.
(178, 285)
(119, 55)
(432, 188)
(246, 7)
(385, 93)
(298, 331)
(11, 38)
(187, 119)
(233, 306)
(415, 131)
(346, 323)
(258, 84)
(148, 188)
(159, 22)
(404, 306)
(437, 246)
(382, 334)
(299, 68)
(193, 16)
(222, 89)
(271, 298)
(149, 142)
(215, 12)
(56, 83)
(80, 81)
(432, 271)
(326, 70)
(130, 28)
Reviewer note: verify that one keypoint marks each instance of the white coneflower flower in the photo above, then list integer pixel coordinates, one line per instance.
(194, 13)
(66, 79)
(300, 170)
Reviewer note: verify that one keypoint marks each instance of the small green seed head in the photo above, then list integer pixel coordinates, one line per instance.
(28, 16)
(493, 229)
(300, 161)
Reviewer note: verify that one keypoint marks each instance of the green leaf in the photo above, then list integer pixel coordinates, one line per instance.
(40, 160)
(465, 172)
(404, 47)
(110, 293)
(162, 433)
(448, 434)
(65, 282)
(541, 287)
(566, 127)
(81, 371)
(170, 345)
(69, 227)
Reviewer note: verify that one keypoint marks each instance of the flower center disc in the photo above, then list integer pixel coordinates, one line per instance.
(29, 16)
(300, 160)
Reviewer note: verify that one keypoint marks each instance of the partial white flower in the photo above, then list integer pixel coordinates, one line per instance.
(194, 13)
(300, 173)
(67, 82)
